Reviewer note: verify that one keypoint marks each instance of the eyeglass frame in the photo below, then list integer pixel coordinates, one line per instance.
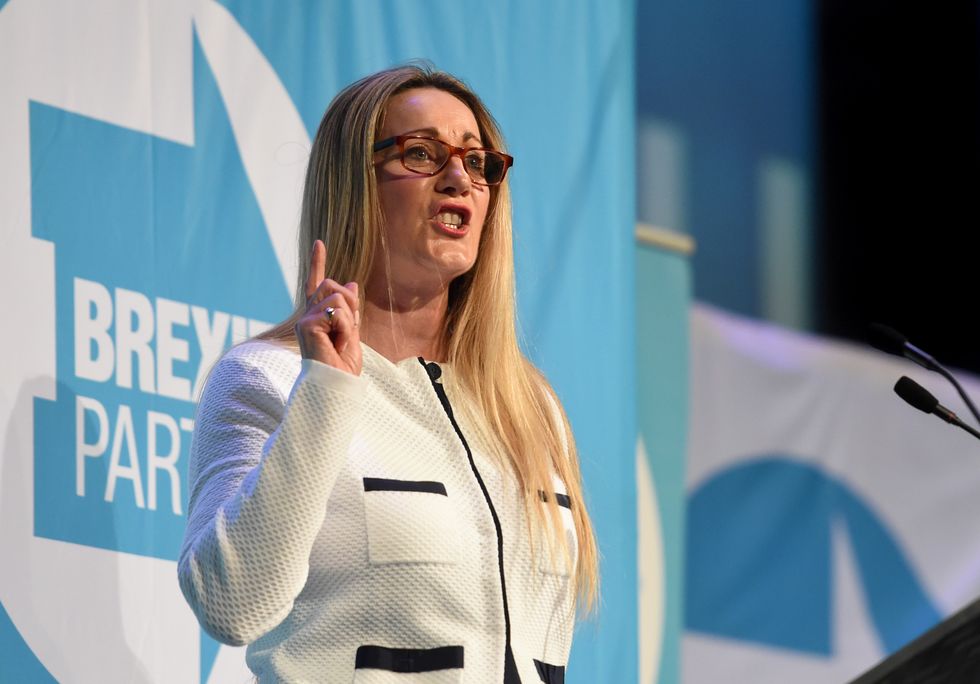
(453, 152)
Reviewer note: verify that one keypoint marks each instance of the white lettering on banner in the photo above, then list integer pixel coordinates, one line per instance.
(170, 349)
(98, 356)
(156, 461)
(93, 316)
(82, 448)
(111, 330)
(124, 431)
(239, 329)
(134, 330)
(124, 457)
(211, 339)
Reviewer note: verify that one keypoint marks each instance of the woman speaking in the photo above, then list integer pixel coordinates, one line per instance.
(384, 489)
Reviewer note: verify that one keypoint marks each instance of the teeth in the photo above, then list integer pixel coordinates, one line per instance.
(450, 218)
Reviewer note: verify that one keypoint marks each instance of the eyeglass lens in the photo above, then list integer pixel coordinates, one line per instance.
(429, 156)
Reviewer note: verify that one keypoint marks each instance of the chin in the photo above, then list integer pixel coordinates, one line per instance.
(453, 265)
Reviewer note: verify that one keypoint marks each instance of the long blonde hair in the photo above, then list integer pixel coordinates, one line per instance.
(342, 208)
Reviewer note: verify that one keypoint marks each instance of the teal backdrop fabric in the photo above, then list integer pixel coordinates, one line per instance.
(663, 286)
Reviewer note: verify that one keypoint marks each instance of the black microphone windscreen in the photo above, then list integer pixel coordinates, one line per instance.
(886, 339)
(915, 394)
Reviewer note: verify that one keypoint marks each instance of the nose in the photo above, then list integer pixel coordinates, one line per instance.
(453, 179)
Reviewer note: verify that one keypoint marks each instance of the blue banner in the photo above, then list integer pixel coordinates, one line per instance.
(149, 198)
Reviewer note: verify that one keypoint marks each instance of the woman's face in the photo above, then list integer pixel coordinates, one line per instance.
(426, 249)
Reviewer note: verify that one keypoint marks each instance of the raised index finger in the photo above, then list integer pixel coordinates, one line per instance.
(318, 265)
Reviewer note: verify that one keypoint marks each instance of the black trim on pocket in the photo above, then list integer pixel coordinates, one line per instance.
(563, 499)
(380, 484)
(550, 674)
(408, 659)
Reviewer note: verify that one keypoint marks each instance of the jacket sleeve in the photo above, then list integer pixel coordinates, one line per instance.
(261, 471)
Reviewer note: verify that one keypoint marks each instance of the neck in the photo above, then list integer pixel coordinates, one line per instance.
(408, 324)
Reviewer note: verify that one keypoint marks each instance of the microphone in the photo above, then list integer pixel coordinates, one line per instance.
(919, 397)
(891, 341)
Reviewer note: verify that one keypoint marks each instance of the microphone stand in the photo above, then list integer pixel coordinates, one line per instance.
(966, 398)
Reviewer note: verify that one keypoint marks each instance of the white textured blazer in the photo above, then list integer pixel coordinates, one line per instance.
(353, 529)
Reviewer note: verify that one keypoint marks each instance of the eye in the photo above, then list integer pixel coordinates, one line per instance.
(417, 152)
(475, 160)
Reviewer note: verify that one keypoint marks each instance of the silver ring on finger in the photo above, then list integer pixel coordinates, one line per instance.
(328, 314)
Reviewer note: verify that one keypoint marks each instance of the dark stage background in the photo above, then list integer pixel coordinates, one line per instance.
(898, 190)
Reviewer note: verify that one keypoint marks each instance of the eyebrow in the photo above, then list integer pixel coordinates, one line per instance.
(435, 134)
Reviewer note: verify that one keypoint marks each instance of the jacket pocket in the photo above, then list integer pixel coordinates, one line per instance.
(381, 665)
(550, 674)
(552, 558)
(409, 521)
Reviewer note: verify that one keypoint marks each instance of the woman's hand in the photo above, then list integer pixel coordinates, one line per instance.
(328, 331)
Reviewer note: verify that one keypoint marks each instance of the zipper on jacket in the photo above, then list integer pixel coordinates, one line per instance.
(434, 372)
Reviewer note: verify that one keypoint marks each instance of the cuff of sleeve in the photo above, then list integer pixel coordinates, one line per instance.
(330, 378)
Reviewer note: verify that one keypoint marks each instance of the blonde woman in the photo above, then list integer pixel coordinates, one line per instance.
(383, 488)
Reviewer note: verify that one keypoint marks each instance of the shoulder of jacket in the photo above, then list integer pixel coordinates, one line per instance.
(260, 362)
(256, 351)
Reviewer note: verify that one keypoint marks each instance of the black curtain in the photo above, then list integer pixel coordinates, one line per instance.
(898, 183)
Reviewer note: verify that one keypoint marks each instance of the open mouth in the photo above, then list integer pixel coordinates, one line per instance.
(452, 221)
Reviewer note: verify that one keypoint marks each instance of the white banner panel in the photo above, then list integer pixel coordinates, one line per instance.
(829, 523)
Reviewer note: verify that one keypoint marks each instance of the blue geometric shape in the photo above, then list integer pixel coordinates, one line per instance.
(898, 603)
(132, 211)
(18, 664)
(209, 653)
(759, 559)
(154, 217)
